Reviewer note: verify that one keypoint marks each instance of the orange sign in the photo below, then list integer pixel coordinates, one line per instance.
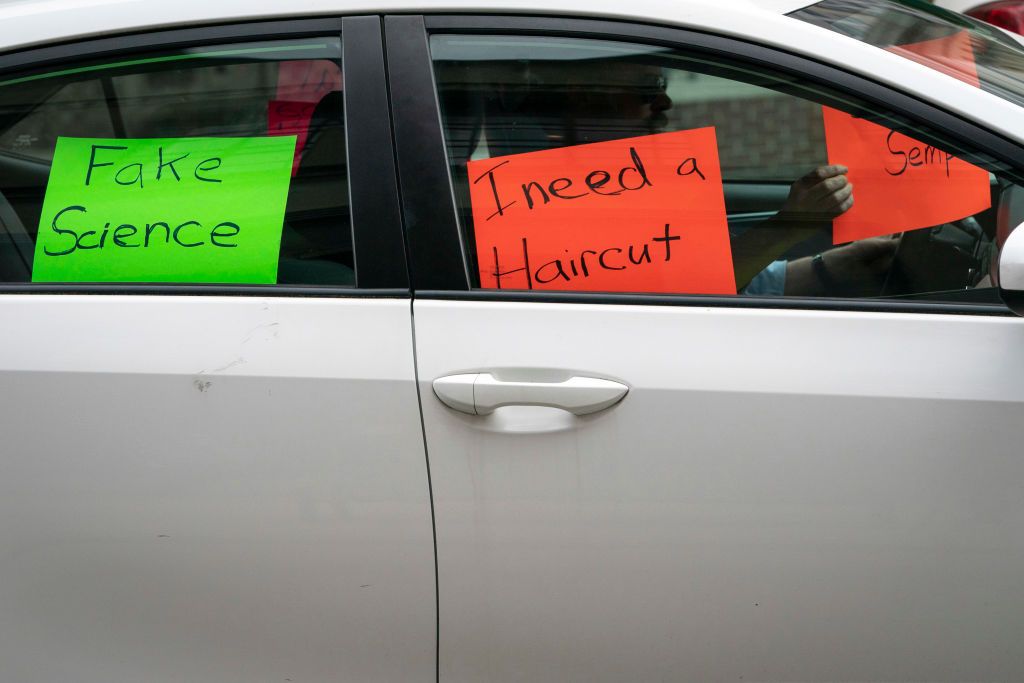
(644, 214)
(898, 182)
(951, 55)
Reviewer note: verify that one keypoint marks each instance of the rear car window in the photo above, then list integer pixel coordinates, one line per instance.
(220, 164)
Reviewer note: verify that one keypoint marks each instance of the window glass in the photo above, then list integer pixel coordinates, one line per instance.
(221, 164)
(950, 42)
(605, 166)
(78, 109)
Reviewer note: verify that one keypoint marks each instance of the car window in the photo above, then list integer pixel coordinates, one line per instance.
(950, 42)
(220, 164)
(594, 165)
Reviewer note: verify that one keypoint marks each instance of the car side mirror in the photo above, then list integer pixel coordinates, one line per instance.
(1011, 270)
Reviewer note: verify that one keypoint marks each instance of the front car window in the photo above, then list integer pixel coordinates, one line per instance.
(952, 43)
(589, 165)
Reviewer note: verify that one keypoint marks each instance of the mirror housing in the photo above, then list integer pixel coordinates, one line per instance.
(1011, 270)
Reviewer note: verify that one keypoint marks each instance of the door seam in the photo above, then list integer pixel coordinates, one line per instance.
(430, 490)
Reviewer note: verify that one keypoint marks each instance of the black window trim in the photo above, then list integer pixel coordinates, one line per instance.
(202, 289)
(436, 258)
(378, 240)
(441, 227)
(166, 39)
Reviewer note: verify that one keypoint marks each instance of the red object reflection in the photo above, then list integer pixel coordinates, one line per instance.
(1008, 14)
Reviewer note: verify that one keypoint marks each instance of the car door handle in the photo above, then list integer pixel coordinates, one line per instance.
(480, 393)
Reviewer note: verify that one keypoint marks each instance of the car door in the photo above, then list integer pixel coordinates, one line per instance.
(631, 485)
(212, 463)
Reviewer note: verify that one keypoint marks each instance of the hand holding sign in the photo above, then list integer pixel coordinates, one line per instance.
(814, 200)
(644, 214)
(819, 196)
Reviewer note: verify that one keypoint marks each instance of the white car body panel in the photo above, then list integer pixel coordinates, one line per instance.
(212, 489)
(782, 495)
(960, 5)
(33, 23)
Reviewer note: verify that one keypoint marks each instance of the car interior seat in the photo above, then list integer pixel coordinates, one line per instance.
(316, 242)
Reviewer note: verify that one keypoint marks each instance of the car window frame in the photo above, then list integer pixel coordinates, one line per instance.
(438, 262)
(378, 240)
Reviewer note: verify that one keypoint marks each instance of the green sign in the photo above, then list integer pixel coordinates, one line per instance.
(164, 210)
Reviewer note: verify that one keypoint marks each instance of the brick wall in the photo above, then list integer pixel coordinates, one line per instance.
(776, 137)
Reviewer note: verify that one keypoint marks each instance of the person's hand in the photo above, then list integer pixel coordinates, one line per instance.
(862, 259)
(814, 200)
(855, 269)
(821, 195)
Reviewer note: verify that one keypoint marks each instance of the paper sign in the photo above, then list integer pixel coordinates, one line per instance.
(898, 182)
(644, 214)
(951, 55)
(164, 210)
(286, 117)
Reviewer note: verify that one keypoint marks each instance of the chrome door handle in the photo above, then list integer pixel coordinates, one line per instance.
(480, 393)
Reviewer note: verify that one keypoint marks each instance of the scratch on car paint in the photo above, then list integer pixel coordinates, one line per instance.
(266, 326)
(237, 361)
(201, 385)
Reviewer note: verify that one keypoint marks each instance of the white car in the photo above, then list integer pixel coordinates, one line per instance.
(562, 341)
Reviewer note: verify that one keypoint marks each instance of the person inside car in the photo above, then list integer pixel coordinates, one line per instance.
(561, 104)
